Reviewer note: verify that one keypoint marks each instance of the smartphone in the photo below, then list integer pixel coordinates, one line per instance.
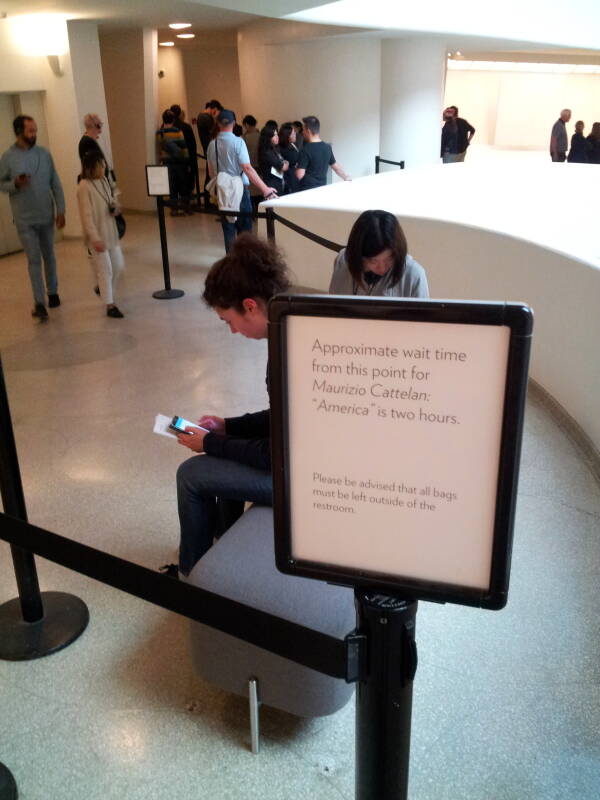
(179, 424)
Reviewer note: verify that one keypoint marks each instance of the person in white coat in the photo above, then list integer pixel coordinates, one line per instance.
(97, 210)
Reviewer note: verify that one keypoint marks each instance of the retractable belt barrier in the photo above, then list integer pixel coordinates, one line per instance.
(303, 645)
(379, 160)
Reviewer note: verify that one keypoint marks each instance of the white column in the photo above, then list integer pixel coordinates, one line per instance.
(152, 114)
(129, 65)
(88, 80)
(412, 94)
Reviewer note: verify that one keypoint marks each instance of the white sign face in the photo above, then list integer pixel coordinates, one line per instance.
(158, 180)
(394, 441)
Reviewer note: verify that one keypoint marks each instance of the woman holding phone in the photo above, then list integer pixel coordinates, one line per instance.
(376, 261)
(236, 467)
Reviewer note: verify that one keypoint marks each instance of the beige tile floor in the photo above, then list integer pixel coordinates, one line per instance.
(507, 705)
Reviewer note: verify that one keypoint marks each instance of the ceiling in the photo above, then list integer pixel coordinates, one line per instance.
(579, 27)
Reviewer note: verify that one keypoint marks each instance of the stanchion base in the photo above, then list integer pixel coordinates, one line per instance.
(65, 618)
(168, 294)
(8, 787)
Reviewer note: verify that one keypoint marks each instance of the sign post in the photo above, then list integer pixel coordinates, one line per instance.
(396, 431)
(157, 181)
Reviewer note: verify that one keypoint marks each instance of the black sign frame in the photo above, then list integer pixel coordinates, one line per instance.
(518, 317)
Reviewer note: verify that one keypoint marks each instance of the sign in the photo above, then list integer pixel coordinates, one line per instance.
(157, 180)
(396, 435)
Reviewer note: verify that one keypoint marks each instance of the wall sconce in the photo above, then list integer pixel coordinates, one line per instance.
(55, 65)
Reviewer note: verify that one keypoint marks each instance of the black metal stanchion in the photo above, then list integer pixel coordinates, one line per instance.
(167, 293)
(271, 225)
(34, 624)
(384, 699)
(8, 787)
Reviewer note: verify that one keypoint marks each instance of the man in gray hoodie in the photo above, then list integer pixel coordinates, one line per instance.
(28, 175)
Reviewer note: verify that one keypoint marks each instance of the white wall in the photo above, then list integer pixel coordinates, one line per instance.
(337, 80)
(131, 100)
(84, 48)
(26, 73)
(212, 73)
(518, 109)
(172, 88)
(412, 90)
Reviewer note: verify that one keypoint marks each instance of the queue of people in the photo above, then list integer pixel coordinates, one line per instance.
(583, 149)
(290, 157)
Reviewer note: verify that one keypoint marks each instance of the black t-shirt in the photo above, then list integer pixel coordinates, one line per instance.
(315, 158)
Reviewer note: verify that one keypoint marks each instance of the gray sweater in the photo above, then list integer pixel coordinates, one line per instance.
(37, 203)
(413, 282)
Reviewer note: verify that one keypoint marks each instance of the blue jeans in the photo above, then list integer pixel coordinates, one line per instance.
(231, 229)
(38, 243)
(210, 495)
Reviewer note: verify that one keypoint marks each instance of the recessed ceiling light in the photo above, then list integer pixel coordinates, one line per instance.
(186, 35)
(166, 44)
(178, 26)
(458, 53)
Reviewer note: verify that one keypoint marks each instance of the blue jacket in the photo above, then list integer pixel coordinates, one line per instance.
(43, 199)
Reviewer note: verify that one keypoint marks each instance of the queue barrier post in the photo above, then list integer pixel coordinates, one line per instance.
(8, 787)
(34, 624)
(384, 697)
(271, 225)
(167, 293)
(379, 160)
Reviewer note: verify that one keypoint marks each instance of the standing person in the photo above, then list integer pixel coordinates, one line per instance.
(97, 210)
(559, 142)
(290, 153)
(456, 136)
(206, 122)
(251, 136)
(578, 154)
(173, 154)
(593, 142)
(315, 158)
(190, 144)
(28, 176)
(376, 261)
(271, 165)
(89, 142)
(228, 153)
(299, 135)
(212, 490)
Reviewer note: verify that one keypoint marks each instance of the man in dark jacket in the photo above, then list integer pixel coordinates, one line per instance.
(456, 136)
(190, 143)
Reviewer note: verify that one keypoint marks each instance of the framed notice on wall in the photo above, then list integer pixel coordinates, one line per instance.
(157, 180)
(396, 431)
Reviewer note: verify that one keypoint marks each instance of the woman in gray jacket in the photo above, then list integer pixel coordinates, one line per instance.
(376, 262)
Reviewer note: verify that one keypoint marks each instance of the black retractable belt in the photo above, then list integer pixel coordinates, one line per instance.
(314, 237)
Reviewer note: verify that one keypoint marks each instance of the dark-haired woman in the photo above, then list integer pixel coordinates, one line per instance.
(289, 152)
(212, 489)
(593, 141)
(97, 210)
(578, 154)
(376, 261)
(271, 166)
